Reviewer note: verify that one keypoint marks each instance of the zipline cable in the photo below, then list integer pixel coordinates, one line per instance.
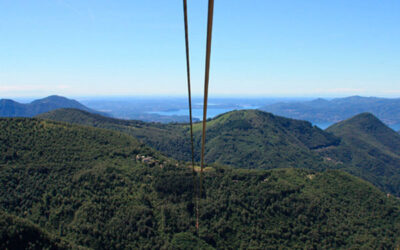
(206, 81)
(190, 111)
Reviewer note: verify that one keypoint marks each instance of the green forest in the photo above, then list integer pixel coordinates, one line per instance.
(362, 145)
(245, 139)
(68, 186)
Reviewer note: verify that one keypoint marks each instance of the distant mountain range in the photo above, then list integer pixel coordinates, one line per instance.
(10, 108)
(322, 111)
(362, 145)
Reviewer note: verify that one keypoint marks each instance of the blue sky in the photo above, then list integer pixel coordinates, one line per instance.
(260, 48)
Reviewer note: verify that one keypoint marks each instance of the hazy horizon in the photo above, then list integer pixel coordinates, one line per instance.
(266, 48)
(149, 96)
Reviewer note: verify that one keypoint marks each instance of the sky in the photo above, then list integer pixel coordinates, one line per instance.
(262, 48)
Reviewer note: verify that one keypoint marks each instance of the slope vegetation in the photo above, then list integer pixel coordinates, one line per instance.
(17, 233)
(170, 139)
(255, 139)
(246, 138)
(362, 146)
(371, 147)
(92, 187)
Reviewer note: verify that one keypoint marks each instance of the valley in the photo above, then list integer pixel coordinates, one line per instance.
(256, 139)
(188, 125)
(85, 187)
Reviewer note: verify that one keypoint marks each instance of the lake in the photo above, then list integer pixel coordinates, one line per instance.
(198, 112)
(213, 112)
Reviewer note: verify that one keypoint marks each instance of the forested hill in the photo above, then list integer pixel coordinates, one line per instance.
(92, 187)
(369, 128)
(245, 138)
(372, 147)
(10, 108)
(171, 139)
(17, 233)
(255, 139)
(338, 109)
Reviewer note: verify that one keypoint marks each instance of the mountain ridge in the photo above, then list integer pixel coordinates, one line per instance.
(11, 108)
(255, 139)
(322, 111)
(367, 123)
(372, 147)
(88, 185)
(294, 138)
